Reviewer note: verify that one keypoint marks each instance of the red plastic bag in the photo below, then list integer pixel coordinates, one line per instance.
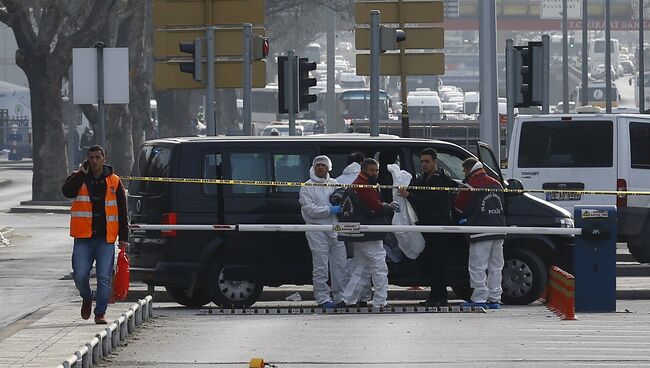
(122, 278)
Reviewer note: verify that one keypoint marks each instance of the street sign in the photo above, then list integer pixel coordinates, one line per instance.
(178, 13)
(116, 75)
(552, 9)
(417, 38)
(413, 11)
(228, 74)
(227, 41)
(416, 64)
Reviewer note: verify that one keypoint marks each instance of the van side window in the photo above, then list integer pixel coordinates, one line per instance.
(250, 166)
(153, 161)
(293, 168)
(211, 170)
(447, 161)
(566, 144)
(639, 143)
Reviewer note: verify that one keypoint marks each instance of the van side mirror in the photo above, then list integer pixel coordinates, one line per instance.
(514, 184)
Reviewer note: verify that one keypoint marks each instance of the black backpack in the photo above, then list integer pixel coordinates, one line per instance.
(354, 210)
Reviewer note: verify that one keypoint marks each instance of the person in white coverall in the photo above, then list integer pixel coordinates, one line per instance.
(328, 253)
(348, 175)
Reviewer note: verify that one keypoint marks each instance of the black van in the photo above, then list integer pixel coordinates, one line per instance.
(231, 268)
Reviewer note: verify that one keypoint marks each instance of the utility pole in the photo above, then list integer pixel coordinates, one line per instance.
(584, 93)
(375, 50)
(489, 116)
(565, 58)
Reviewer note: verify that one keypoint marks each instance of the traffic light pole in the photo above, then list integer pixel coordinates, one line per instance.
(608, 59)
(100, 94)
(641, 81)
(248, 80)
(403, 87)
(209, 89)
(489, 116)
(584, 93)
(510, 86)
(546, 68)
(291, 87)
(375, 49)
(565, 59)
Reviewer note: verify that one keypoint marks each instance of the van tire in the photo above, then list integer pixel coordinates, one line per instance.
(524, 277)
(463, 291)
(231, 294)
(198, 299)
(639, 250)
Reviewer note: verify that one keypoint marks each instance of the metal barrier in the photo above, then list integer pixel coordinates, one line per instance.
(103, 343)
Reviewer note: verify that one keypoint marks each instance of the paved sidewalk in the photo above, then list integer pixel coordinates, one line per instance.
(50, 335)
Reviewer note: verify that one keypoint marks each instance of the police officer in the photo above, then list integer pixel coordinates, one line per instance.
(483, 208)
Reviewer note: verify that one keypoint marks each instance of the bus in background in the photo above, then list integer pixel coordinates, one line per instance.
(596, 91)
(354, 104)
(264, 106)
(424, 106)
(597, 54)
(313, 52)
(634, 81)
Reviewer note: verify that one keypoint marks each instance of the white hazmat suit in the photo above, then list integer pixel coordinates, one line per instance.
(328, 254)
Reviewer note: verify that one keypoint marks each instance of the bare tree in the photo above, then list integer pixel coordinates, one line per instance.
(46, 31)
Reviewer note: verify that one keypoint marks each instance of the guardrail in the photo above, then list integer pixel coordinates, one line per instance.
(103, 343)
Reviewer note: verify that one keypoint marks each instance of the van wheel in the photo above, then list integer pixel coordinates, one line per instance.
(639, 248)
(463, 291)
(229, 293)
(198, 299)
(524, 277)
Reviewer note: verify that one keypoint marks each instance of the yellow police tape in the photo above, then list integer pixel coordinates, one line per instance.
(376, 186)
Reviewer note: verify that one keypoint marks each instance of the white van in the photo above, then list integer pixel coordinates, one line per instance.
(424, 105)
(588, 152)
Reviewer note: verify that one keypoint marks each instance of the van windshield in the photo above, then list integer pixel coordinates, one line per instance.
(153, 161)
(566, 144)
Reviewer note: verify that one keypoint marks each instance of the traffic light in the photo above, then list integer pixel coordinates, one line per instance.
(259, 47)
(391, 37)
(304, 82)
(192, 67)
(529, 71)
(572, 42)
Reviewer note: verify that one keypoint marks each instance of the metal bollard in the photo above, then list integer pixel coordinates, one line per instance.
(130, 321)
(83, 358)
(123, 327)
(137, 311)
(94, 350)
(149, 300)
(70, 362)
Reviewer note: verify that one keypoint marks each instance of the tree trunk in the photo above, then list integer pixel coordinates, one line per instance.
(50, 168)
(227, 110)
(119, 144)
(174, 114)
(139, 106)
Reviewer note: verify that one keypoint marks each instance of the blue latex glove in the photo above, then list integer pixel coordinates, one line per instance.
(335, 210)
(462, 221)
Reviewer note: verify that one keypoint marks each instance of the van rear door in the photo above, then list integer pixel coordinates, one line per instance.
(567, 153)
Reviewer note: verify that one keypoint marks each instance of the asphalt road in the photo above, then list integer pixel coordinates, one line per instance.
(515, 336)
(31, 269)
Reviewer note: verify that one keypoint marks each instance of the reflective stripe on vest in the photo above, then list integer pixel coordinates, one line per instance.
(81, 211)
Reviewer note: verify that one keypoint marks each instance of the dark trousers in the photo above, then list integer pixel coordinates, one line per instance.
(432, 261)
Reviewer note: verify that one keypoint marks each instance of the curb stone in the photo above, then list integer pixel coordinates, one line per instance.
(102, 344)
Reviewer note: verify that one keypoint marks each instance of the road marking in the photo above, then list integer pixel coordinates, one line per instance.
(23, 322)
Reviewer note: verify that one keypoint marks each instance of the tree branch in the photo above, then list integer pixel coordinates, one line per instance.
(19, 20)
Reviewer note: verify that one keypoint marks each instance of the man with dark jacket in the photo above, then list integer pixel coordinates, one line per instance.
(483, 208)
(369, 258)
(98, 217)
(433, 207)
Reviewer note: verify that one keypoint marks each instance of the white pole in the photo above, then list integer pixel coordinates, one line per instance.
(367, 228)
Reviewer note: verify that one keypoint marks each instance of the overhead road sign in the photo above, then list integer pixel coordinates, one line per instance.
(227, 41)
(552, 9)
(417, 38)
(179, 13)
(416, 64)
(413, 11)
(228, 74)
